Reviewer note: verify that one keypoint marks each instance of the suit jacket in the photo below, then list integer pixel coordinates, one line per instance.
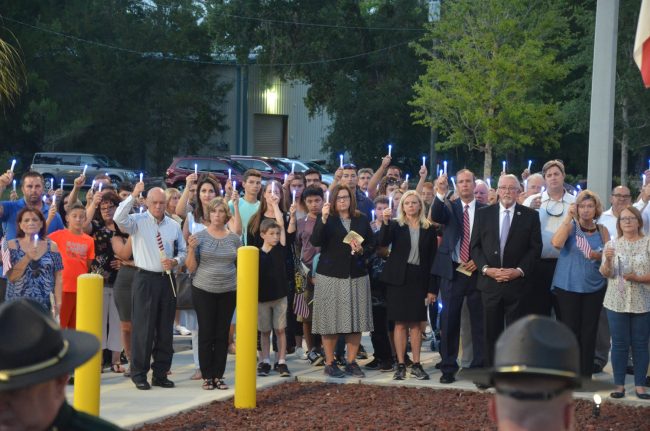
(336, 259)
(449, 214)
(523, 246)
(400, 238)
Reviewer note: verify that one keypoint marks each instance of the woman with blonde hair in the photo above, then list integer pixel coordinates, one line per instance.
(410, 285)
(211, 256)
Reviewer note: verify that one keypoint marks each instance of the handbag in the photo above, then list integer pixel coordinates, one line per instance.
(299, 273)
(184, 291)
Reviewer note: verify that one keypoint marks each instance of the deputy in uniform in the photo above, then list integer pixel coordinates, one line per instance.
(36, 357)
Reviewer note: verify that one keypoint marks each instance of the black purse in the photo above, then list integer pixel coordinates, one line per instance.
(184, 291)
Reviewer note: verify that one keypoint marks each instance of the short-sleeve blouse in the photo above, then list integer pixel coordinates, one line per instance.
(39, 277)
(628, 296)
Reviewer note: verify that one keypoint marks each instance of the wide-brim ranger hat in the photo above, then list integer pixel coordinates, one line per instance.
(537, 346)
(33, 349)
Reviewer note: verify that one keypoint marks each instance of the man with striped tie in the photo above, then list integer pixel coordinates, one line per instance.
(158, 248)
(457, 271)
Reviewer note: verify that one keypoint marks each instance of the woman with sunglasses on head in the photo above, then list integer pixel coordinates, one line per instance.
(36, 263)
(578, 285)
(626, 265)
(101, 227)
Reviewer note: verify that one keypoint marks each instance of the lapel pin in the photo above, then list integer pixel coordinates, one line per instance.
(518, 213)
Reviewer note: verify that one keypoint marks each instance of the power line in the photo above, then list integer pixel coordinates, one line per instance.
(160, 56)
(311, 24)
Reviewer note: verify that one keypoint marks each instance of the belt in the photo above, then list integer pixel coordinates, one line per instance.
(144, 271)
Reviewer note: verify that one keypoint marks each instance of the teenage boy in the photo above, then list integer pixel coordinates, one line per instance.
(77, 252)
(272, 297)
(312, 198)
(250, 204)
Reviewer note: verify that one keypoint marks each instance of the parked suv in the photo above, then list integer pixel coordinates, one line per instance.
(269, 167)
(68, 166)
(183, 166)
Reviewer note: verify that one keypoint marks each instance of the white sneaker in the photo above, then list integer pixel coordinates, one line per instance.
(300, 353)
(183, 330)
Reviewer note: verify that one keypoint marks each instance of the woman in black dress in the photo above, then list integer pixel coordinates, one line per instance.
(410, 285)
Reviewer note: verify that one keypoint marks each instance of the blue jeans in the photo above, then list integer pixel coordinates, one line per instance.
(629, 330)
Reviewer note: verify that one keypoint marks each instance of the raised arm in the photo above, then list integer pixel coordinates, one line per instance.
(181, 206)
(378, 175)
(565, 229)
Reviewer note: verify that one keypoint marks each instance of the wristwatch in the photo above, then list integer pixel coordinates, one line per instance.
(484, 269)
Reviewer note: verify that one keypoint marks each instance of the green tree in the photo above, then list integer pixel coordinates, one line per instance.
(367, 87)
(12, 73)
(128, 78)
(490, 70)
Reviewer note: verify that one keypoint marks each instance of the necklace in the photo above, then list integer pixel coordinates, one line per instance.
(592, 230)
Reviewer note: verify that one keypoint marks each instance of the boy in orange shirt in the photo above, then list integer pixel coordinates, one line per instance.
(77, 252)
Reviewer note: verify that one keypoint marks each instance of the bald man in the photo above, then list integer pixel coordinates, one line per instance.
(158, 248)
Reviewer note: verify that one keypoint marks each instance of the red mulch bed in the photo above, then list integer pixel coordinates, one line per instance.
(321, 406)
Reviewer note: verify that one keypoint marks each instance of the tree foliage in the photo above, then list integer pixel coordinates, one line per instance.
(367, 86)
(490, 71)
(103, 77)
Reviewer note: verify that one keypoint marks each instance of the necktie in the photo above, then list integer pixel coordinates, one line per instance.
(464, 244)
(505, 228)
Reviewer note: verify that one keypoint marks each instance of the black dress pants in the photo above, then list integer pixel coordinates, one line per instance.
(379, 335)
(453, 293)
(213, 313)
(581, 312)
(502, 306)
(152, 317)
(541, 300)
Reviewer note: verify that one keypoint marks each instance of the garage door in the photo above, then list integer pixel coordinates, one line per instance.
(269, 135)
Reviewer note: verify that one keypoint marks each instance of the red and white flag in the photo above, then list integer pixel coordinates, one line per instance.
(582, 242)
(642, 43)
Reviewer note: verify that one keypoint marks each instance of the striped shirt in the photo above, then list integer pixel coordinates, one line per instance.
(144, 229)
(216, 271)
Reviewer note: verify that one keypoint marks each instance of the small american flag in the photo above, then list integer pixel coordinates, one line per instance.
(582, 243)
(300, 306)
(6, 260)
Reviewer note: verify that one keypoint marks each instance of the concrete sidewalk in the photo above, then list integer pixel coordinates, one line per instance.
(128, 407)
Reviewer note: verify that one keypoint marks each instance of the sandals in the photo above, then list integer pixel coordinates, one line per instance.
(208, 385)
(117, 368)
(220, 384)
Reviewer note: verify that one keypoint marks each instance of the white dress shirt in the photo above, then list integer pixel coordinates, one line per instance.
(143, 229)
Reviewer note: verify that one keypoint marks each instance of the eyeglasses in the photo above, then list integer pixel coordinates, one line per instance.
(618, 196)
(627, 219)
(107, 208)
(342, 198)
(509, 189)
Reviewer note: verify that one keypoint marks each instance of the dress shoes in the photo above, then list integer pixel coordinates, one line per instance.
(143, 385)
(163, 382)
(447, 378)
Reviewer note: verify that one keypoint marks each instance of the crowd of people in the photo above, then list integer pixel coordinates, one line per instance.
(367, 253)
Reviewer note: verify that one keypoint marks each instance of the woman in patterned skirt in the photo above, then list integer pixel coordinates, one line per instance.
(342, 303)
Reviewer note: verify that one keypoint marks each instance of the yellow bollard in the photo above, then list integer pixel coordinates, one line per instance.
(246, 342)
(90, 295)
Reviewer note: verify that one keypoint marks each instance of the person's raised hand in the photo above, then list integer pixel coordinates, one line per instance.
(325, 212)
(191, 179)
(536, 202)
(234, 197)
(442, 185)
(386, 215)
(6, 178)
(572, 213)
(192, 242)
(609, 253)
(423, 171)
(137, 189)
(386, 161)
(525, 174)
(292, 209)
(79, 181)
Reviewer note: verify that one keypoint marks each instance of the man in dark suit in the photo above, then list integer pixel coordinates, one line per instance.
(506, 244)
(457, 271)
